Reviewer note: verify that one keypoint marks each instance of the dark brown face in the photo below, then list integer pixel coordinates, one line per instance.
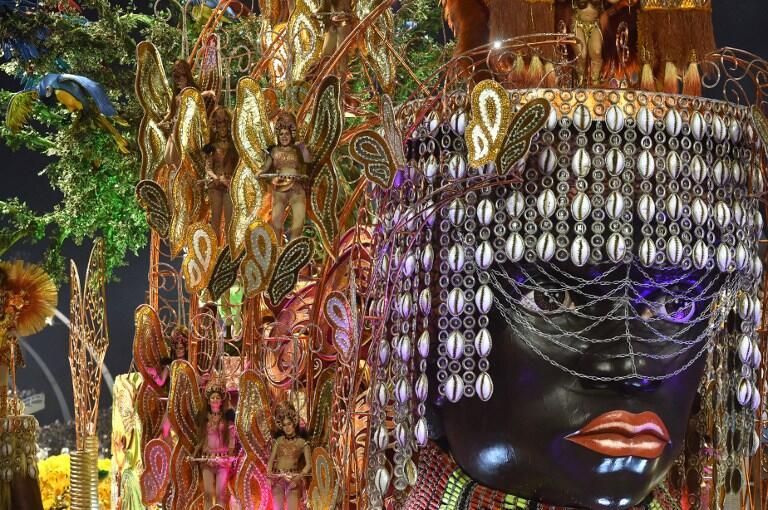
(525, 440)
(220, 123)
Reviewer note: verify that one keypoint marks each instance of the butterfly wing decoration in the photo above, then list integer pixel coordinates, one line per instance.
(323, 483)
(260, 257)
(294, 256)
(319, 423)
(186, 205)
(305, 40)
(192, 129)
(370, 150)
(156, 475)
(491, 114)
(338, 313)
(517, 142)
(378, 41)
(253, 135)
(325, 127)
(224, 273)
(20, 109)
(155, 97)
(149, 346)
(150, 406)
(392, 134)
(152, 199)
(254, 424)
(202, 247)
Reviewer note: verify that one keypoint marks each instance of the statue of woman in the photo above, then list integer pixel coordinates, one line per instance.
(286, 166)
(589, 34)
(290, 451)
(221, 161)
(181, 74)
(179, 338)
(217, 445)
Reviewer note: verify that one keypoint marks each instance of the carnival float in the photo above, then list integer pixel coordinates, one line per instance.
(532, 279)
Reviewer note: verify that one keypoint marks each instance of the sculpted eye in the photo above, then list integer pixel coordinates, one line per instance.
(547, 301)
(679, 310)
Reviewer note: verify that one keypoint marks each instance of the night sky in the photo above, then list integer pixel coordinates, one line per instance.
(741, 24)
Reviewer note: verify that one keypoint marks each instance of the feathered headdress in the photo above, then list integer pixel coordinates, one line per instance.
(30, 293)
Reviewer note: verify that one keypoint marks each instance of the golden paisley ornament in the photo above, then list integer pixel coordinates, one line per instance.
(294, 256)
(392, 133)
(378, 40)
(224, 273)
(202, 247)
(490, 116)
(152, 199)
(152, 87)
(186, 204)
(156, 475)
(152, 143)
(305, 40)
(260, 257)
(326, 124)
(323, 480)
(370, 150)
(192, 128)
(526, 123)
(246, 192)
(325, 192)
(185, 404)
(252, 133)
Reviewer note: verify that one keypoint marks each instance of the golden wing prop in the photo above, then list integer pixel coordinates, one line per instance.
(254, 425)
(321, 409)
(378, 41)
(152, 87)
(185, 403)
(152, 199)
(761, 126)
(202, 247)
(151, 410)
(271, 40)
(294, 256)
(260, 256)
(325, 128)
(186, 205)
(490, 117)
(192, 129)
(370, 150)
(185, 480)
(253, 135)
(149, 346)
(155, 98)
(224, 273)
(392, 134)
(305, 40)
(321, 488)
(156, 475)
(526, 123)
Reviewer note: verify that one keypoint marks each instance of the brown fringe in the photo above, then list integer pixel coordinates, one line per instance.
(515, 18)
(517, 74)
(647, 81)
(469, 20)
(550, 76)
(535, 71)
(671, 34)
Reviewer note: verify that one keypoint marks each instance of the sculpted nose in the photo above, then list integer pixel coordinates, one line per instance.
(617, 365)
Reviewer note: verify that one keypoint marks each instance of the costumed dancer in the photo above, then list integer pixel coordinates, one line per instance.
(674, 36)
(220, 164)
(290, 451)
(286, 167)
(217, 444)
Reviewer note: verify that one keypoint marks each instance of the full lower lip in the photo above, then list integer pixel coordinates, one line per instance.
(624, 434)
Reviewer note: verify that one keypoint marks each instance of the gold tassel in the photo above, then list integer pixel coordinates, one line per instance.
(670, 78)
(535, 71)
(550, 76)
(647, 81)
(518, 69)
(692, 78)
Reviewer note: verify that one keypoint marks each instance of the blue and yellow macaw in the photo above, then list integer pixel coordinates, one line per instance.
(78, 94)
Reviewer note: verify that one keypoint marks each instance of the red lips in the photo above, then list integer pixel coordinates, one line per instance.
(624, 434)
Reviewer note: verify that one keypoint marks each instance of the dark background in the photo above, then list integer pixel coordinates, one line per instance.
(738, 23)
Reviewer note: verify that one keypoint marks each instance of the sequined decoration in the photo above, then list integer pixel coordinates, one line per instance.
(370, 150)
(326, 124)
(392, 133)
(149, 347)
(259, 261)
(489, 121)
(254, 424)
(224, 273)
(202, 246)
(152, 144)
(323, 480)
(152, 88)
(186, 206)
(156, 475)
(296, 254)
(379, 43)
(152, 199)
(325, 192)
(192, 129)
(523, 126)
(304, 39)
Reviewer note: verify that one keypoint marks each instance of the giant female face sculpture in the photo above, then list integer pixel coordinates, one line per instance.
(557, 319)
